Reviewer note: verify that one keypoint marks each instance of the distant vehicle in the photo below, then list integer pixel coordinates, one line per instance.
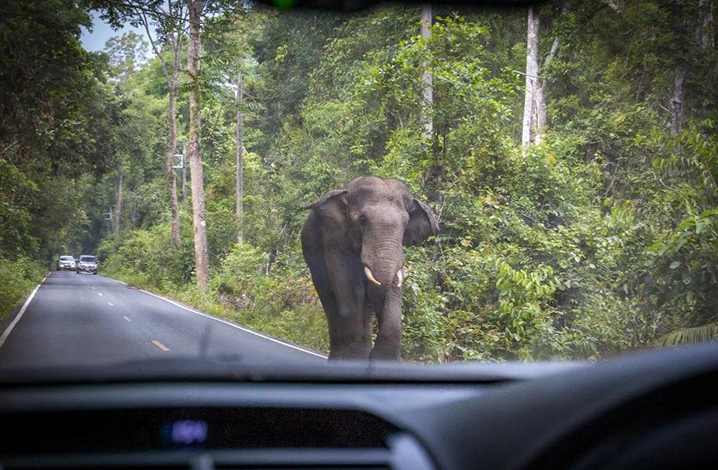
(65, 262)
(88, 264)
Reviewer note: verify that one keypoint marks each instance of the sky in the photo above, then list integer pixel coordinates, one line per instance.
(101, 32)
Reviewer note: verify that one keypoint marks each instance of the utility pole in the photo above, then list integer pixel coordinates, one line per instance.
(108, 220)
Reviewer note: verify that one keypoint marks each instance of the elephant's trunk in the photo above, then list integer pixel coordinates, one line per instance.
(383, 262)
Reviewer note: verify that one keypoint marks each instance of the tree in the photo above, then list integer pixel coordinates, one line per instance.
(127, 53)
(532, 83)
(541, 114)
(677, 101)
(427, 77)
(170, 26)
(239, 208)
(199, 219)
(57, 126)
(706, 36)
(172, 31)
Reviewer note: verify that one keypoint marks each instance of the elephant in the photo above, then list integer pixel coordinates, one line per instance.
(353, 242)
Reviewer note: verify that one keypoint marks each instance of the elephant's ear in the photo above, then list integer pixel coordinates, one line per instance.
(327, 196)
(422, 224)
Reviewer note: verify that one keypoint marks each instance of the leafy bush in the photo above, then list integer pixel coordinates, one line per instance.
(17, 279)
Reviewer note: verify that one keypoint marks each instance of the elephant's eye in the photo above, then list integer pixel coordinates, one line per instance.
(362, 219)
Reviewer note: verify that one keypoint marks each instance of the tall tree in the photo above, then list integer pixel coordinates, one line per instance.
(705, 31)
(240, 161)
(677, 101)
(541, 114)
(171, 25)
(199, 220)
(427, 78)
(532, 86)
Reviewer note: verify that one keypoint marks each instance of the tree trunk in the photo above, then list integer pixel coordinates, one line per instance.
(427, 77)
(677, 102)
(201, 255)
(175, 38)
(169, 160)
(240, 162)
(706, 38)
(118, 205)
(531, 76)
(541, 115)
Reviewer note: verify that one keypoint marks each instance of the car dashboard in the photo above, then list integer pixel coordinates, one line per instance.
(654, 410)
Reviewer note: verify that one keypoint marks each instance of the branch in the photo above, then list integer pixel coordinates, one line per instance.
(154, 47)
(141, 8)
(8, 147)
(528, 75)
(552, 52)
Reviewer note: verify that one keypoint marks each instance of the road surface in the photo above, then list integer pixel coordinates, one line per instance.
(88, 320)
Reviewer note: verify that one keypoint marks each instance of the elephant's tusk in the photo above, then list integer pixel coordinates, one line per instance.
(370, 276)
(400, 278)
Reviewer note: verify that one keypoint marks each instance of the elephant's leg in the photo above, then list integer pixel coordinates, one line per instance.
(349, 336)
(314, 257)
(355, 337)
(320, 277)
(388, 339)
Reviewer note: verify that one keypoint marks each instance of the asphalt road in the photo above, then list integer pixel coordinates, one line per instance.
(88, 320)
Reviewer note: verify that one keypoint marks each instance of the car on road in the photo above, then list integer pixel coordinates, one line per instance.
(66, 262)
(88, 264)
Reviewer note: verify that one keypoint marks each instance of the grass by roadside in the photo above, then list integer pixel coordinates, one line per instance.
(17, 279)
(303, 325)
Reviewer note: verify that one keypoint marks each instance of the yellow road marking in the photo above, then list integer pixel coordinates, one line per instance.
(100, 294)
(160, 345)
(126, 318)
(109, 303)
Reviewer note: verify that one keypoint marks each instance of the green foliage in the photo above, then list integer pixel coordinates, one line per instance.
(696, 334)
(601, 239)
(17, 279)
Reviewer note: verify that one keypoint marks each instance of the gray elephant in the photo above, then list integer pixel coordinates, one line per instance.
(353, 243)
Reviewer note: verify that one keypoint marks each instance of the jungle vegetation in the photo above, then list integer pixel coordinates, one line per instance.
(591, 233)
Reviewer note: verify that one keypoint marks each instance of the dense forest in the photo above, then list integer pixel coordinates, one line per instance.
(570, 151)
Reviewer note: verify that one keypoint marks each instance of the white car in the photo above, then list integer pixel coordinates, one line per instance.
(66, 262)
(88, 263)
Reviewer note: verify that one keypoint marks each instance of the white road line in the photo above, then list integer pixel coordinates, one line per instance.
(126, 318)
(110, 304)
(160, 345)
(6, 333)
(109, 278)
(235, 326)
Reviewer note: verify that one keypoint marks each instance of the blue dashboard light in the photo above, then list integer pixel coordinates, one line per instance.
(189, 432)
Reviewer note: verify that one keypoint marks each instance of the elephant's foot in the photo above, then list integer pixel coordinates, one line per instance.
(385, 352)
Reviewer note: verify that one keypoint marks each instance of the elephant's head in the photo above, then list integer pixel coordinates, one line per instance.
(378, 218)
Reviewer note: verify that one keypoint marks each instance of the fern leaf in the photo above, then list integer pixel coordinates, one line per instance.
(697, 334)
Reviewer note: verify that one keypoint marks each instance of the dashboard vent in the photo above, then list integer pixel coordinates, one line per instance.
(207, 438)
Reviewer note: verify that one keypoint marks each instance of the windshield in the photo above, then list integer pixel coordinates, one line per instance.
(423, 183)
(67, 258)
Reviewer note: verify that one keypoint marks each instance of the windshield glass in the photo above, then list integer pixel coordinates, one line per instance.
(424, 183)
(66, 258)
